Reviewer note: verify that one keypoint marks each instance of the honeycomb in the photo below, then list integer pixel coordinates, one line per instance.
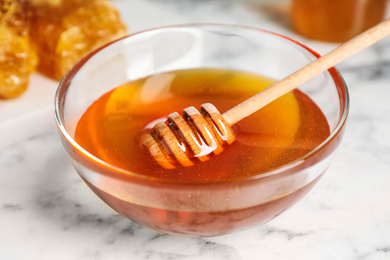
(63, 31)
(17, 59)
(50, 36)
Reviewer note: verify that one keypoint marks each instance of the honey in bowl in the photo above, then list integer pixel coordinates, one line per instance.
(278, 134)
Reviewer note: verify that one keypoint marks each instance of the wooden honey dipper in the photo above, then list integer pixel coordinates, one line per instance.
(196, 134)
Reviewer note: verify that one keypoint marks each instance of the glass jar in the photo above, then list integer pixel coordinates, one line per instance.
(336, 20)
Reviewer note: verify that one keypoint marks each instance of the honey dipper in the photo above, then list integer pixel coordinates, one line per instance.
(181, 139)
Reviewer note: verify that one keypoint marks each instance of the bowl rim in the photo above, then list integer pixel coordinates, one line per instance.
(337, 78)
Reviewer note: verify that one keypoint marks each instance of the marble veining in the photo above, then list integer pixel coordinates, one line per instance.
(47, 212)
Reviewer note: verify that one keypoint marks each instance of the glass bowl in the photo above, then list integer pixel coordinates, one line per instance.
(199, 209)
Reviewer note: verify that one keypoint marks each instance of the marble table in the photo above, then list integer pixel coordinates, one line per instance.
(47, 212)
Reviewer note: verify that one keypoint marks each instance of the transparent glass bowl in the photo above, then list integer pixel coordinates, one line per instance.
(200, 209)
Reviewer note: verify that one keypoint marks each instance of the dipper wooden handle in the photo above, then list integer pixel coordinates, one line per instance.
(179, 140)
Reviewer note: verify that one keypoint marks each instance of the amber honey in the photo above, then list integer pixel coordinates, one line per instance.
(281, 132)
(336, 20)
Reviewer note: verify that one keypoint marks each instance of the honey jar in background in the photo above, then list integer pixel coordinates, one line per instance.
(336, 20)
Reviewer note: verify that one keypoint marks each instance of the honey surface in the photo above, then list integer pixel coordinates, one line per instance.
(279, 133)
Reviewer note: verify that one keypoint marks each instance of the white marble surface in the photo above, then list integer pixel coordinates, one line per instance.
(46, 212)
